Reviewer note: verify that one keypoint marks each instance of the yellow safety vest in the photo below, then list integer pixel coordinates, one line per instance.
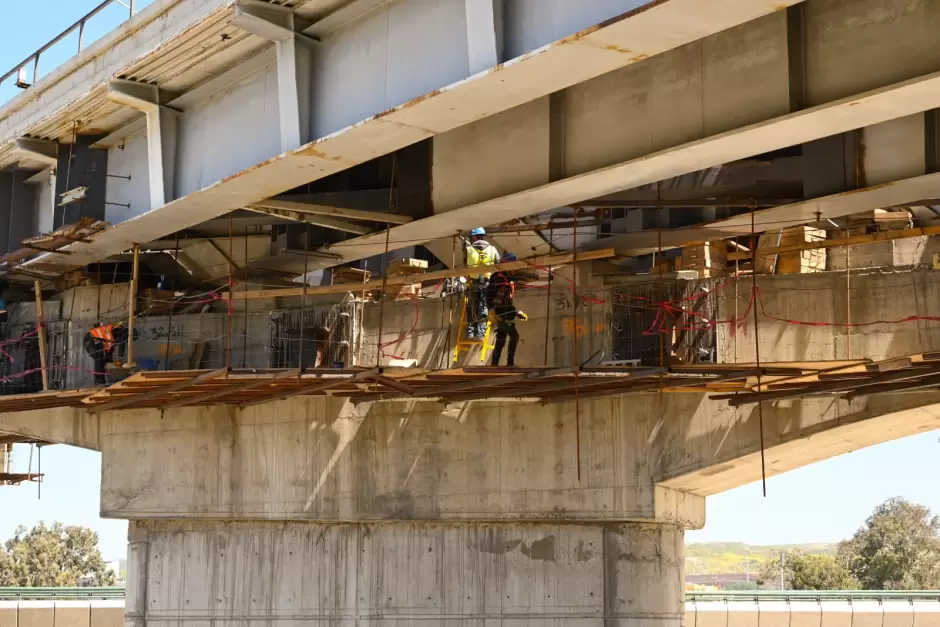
(486, 257)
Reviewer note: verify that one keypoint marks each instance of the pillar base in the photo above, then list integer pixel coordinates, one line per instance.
(197, 573)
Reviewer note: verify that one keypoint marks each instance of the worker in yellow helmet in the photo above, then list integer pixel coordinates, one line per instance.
(479, 253)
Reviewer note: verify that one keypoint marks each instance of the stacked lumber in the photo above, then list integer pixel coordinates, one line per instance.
(804, 261)
(880, 220)
(406, 267)
(350, 275)
(709, 259)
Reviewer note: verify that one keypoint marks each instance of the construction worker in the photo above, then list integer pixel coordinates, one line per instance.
(503, 312)
(100, 343)
(479, 253)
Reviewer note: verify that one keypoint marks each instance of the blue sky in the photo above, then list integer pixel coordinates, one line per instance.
(823, 502)
(28, 26)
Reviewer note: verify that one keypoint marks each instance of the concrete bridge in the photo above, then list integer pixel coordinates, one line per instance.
(239, 149)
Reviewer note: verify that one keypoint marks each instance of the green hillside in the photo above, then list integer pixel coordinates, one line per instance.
(712, 558)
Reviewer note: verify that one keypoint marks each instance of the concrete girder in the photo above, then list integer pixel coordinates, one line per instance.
(886, 194)
(587, 54)
(41, 150)
(276, 24)
(161, 135)
(888, 103)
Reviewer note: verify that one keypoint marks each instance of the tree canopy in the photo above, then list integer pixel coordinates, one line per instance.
(898, 548)
(808, 571)
(53, 556)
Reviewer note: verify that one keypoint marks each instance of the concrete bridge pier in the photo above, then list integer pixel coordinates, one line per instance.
(405, 573)
(394, 514)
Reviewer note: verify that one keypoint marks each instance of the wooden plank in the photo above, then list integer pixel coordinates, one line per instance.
(736, 400)
(394, 384)
(841, 368)
(544, 261)
(283, 202)
(41, 333)
(160, 391)
(932, 381)
(855, 240)
(560, 385)
(212, 395)
(315, 387)
(664, 384)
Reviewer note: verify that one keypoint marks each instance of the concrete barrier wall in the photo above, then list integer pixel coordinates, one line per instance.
(62, 613)
(699, 613)
(812, 613)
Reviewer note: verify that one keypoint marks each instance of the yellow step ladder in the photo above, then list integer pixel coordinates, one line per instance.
(464, 344)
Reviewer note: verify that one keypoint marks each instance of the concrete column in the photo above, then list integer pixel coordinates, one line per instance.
(484, 34)
(161, 135)
(138, 574)
(276, 24)
(544, 574)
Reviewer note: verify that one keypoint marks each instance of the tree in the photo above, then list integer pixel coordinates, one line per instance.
(53, 556)
(808, 571)
(898, 548)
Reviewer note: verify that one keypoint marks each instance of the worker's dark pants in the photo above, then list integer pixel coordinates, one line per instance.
(95, 348)
(476, 309)
(505, 327)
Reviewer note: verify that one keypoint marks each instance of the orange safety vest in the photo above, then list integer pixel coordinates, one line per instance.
(105, 334)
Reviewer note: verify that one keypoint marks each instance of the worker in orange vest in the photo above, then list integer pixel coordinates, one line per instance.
(100, 343)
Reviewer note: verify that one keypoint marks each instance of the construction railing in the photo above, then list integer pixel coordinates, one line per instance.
(723, 595)
(27, 71)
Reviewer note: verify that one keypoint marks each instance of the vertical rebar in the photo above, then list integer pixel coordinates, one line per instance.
(245, 329)
(169, 326)
(231, 294)
(548, 307)
(303, 302)
(576, 354)
(132, 306)
(378, 343)
(760, 404)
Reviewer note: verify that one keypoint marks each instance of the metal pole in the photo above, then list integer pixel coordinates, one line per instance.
(41, 333)
(132, 308)
(133, 7)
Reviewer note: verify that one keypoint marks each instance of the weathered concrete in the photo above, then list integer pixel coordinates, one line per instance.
(384, 575)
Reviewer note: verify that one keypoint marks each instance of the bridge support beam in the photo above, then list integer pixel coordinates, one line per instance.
(161, 135)
(294, 66)
(41, 150)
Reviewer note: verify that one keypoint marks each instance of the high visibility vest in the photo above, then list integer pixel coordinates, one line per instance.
(105, 334)
(485, 257)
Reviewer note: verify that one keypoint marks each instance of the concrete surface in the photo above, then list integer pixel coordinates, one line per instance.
(700, 610)
(408, 574)
(62, 613)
